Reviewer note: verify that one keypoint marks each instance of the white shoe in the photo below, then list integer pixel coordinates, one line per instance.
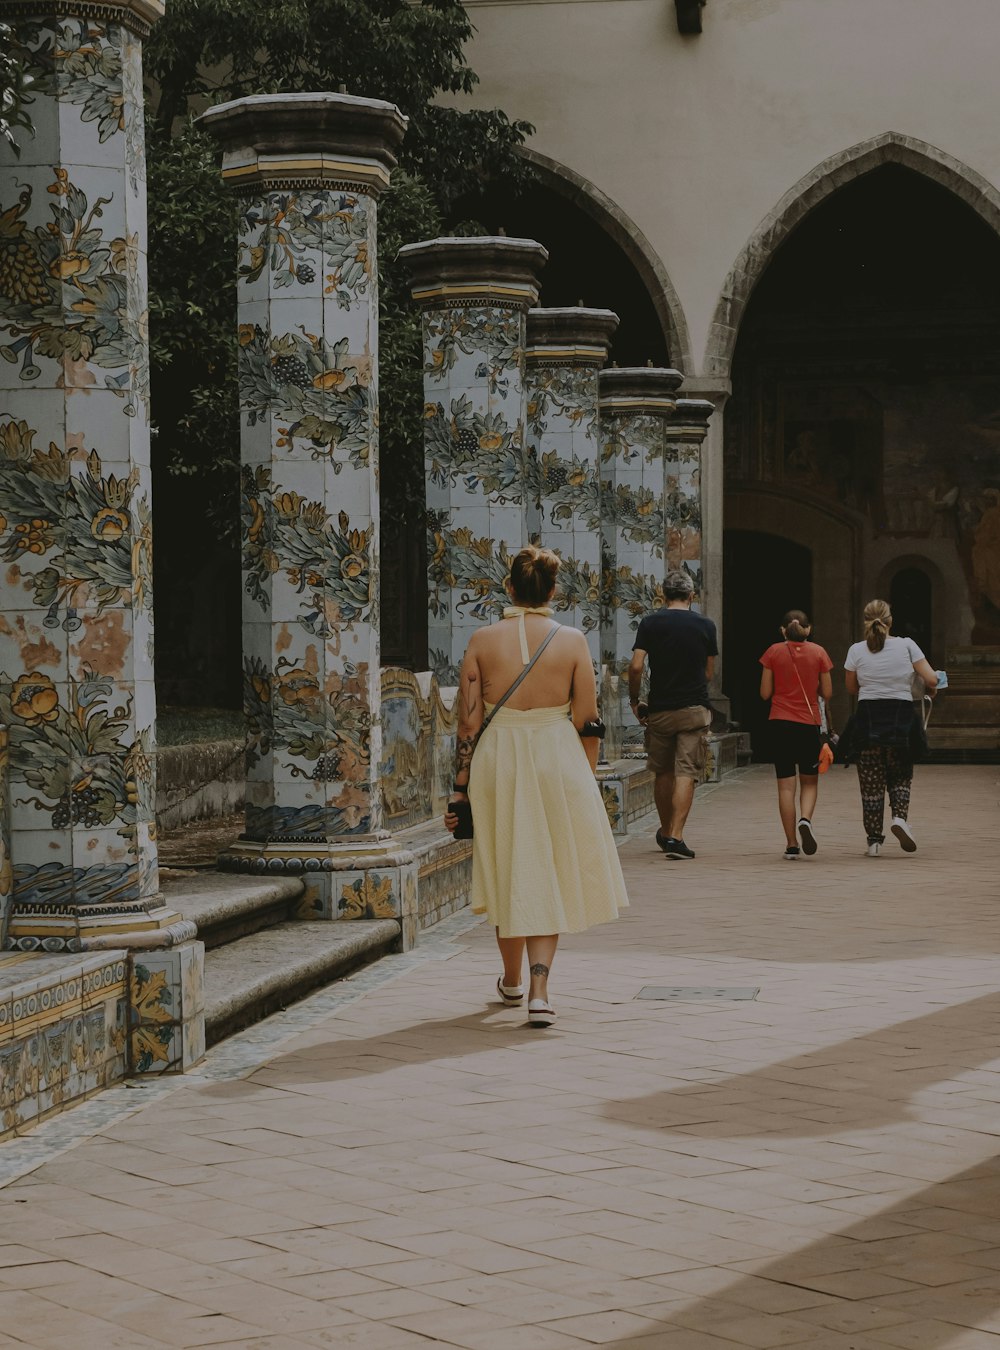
(902, 832)
(873, 850)
(540, 1013)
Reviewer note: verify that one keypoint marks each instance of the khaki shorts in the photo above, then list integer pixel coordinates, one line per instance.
(677, 742)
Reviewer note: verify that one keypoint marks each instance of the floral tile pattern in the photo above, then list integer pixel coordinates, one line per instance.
(418, 735)
(682, 496)
(308, 402)
(61, 1032)
(76, 660)
(474, 458)
(562, 462)
(167, 1009)
(632, 470)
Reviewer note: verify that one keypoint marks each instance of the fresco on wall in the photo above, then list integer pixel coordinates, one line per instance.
(920, 462)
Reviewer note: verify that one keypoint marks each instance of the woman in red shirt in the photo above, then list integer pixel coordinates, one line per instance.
(796, 673)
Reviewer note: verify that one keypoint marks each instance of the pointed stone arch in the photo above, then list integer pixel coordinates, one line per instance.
(890, 147)
(633, 243)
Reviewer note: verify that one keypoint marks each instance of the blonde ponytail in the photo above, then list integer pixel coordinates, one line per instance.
(878, 621)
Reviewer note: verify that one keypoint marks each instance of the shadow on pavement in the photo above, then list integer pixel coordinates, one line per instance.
(426, 1042)
(862, 1083)
(910, 1270)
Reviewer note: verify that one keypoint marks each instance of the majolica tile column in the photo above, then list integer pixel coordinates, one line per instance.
(475, 294)
(566, 350)
(686, 432)
(308, 169)
(636, 405)
(76, 634)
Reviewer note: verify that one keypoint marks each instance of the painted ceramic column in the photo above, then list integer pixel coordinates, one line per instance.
(308, 169)
(76, 612)
(685, 434)
(636, 405)
(566, 350)
(475, 294)
(710, 458)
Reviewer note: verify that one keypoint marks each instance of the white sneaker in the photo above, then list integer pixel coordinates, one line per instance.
(902, 832)
(873, 850)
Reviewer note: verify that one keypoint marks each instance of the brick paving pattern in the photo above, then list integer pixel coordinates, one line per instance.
(816, 1167)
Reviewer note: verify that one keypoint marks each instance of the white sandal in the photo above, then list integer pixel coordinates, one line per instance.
(540, 1013)
(511, 994)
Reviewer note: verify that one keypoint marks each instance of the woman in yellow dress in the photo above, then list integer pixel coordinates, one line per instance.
(544, 860)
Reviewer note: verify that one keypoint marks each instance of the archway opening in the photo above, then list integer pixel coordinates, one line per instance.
(766, 575)
(911, 599)
(865, 387)
(586, 266)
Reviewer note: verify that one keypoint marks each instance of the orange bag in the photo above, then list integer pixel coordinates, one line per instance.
(825, 756)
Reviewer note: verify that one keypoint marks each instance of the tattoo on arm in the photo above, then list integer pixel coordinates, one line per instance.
(470, 695)
(539, 969)
(464, 747)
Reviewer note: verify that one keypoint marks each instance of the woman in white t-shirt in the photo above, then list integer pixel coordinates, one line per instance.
(880, 671)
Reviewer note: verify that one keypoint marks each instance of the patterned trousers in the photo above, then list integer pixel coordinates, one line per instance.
(883, 769)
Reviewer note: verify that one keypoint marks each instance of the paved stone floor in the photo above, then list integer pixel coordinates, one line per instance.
(815, 1167)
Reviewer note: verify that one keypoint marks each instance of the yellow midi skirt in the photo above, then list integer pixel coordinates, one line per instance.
(543, 855)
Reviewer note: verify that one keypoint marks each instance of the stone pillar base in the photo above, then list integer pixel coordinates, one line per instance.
(363, 877)
(35, 929)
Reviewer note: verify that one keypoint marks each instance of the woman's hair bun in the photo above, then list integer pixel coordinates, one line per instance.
(796, 625)
(878, 620)
(533, 575)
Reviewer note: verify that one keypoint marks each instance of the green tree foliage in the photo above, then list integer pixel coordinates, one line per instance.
(207, 51)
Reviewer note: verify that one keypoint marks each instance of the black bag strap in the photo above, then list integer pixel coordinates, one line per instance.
(501, 701)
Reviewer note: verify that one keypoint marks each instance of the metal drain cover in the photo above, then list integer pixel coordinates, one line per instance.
(685, 992)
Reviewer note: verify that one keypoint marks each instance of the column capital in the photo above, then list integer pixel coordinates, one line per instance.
(571, 336)
(690, 419)
(319, 141)
(628, 390)
(480, 269)
(137, 15)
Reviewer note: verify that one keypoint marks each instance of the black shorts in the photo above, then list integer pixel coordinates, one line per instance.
(794, 745)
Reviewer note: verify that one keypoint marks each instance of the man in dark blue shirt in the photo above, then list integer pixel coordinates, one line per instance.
(681, 647)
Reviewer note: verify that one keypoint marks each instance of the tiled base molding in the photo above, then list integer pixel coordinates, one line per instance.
(73, 1024)
(63, 1032)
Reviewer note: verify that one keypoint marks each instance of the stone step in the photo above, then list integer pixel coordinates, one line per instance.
(248, 980)
(226, 907)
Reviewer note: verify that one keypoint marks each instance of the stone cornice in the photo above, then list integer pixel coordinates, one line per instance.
(486, 269)
(690, 419)
(136, 15)
(569, 337)
(631, 390)
(304, 141)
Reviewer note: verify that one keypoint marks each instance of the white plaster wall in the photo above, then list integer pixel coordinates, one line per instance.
(697, 138)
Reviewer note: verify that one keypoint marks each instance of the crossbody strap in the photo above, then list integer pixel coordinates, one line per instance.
(503, 699)
(803, 688)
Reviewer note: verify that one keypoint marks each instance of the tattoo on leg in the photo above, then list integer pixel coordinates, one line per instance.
(539, 969)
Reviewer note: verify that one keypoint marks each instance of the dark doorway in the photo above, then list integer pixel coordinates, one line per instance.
(911, 602)
(766, 575)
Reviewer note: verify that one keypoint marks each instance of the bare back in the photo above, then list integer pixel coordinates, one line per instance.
(564, 673)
